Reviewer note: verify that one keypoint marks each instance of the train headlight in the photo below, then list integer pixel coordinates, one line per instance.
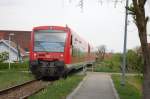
(35, 54)
(61, 55)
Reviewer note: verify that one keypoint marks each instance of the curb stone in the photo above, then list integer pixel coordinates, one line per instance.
(70, 96)
(114, 89)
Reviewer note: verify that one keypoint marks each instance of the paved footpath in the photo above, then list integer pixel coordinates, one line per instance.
(95, 86)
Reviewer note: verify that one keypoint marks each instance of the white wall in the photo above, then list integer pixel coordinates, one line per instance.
(13, 55)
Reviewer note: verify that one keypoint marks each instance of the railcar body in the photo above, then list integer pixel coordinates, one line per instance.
(56, 50)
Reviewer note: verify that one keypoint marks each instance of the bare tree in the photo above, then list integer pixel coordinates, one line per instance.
(101, 50)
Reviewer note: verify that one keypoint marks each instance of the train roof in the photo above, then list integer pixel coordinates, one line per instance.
(50, 27)
(61, 28)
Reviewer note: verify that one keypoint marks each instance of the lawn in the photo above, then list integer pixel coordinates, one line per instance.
(105, 67)
(12, 77)
(59, 89)
(136, 81)
(24, 66)
(132, 89)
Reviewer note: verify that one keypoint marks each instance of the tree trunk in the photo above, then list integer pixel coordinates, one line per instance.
(141, 23)
(146, 73)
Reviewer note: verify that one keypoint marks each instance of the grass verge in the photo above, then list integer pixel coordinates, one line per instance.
(103, 69)
(135, 81)
(60, 89)
(130, 90)
(11, 78)
(24, 66)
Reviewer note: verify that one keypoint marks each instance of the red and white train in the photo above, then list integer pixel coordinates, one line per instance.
(57, 50)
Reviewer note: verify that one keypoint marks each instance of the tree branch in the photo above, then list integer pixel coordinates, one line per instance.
(136, 6)
(145, 1)
(147, 19)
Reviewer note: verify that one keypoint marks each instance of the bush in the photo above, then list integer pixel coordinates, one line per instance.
(135, 62)
(4, 56)
(110, 65)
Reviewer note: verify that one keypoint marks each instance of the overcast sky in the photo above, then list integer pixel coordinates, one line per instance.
(98, 24)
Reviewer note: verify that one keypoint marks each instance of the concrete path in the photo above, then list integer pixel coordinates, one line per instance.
(95, 86)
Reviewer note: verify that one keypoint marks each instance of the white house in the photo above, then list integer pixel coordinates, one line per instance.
(4, 46)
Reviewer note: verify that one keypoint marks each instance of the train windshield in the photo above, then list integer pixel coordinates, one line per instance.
(49, 41)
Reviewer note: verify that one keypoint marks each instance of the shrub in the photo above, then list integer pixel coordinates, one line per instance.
(4, 56)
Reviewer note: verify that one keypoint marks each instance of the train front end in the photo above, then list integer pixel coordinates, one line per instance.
(47, 51)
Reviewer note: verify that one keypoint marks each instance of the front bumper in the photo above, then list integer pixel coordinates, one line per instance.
(46, 68)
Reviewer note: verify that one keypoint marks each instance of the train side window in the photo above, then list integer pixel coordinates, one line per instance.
(74, 51)
(71, 41)
(74, 48)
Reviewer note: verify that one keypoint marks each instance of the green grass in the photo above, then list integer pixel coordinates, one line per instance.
(136, 81)
(11, 78)
(129, 91)
(24, 66)
(105, 68)
(60, 89)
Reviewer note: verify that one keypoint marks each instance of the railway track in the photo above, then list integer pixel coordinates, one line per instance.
(23, 91)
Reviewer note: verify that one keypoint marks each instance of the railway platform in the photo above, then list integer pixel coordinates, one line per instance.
(95, 86)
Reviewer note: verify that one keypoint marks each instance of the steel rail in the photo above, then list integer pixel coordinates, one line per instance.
(23, 91)
(3, 91)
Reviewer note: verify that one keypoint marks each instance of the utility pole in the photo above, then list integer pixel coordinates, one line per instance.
(11, 34)
(19, 54)
(125, 45)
